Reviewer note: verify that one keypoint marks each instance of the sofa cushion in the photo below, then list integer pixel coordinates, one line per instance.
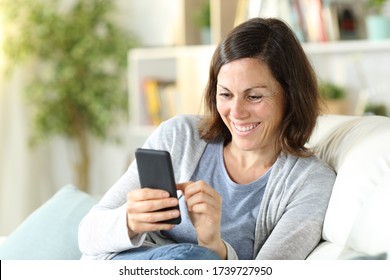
(50, 232)
(371, 231)
(358, 149)
(331, 251)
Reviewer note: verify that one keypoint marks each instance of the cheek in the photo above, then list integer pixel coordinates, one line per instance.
(274, 117)
(271, 107)
(222, 108)
(262, 110)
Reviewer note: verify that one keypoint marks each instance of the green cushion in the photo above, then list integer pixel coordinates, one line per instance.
(50, 232)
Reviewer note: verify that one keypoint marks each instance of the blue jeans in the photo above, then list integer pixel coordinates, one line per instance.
(183, 251)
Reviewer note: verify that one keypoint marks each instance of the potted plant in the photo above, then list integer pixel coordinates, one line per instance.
(376, 109)
(334, 98)
(78, 88)
(202, 19)
(377, 24)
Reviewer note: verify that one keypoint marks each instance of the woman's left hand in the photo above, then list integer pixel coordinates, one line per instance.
(204, 206)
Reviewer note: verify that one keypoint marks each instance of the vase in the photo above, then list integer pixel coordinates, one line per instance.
(205, 35)
(378, 27)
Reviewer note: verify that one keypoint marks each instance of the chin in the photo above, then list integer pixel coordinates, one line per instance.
(245, 145)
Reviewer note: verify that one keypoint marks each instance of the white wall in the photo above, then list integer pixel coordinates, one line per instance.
(155, 22)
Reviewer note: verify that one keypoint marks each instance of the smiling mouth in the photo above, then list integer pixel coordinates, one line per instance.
(245, 128)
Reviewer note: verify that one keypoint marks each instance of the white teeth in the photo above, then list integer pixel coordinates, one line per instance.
(245, 128)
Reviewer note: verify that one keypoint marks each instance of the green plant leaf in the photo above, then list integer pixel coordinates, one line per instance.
(80, 54)
(331, 91)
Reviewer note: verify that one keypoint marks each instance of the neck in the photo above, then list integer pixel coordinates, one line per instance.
(247, 159)
(246, 166)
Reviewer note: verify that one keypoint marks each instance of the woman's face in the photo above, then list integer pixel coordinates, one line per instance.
(251, 103)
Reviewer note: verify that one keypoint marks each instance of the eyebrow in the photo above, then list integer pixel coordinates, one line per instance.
(246, 90)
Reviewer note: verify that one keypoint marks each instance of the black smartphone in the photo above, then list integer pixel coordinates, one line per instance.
(155, 171)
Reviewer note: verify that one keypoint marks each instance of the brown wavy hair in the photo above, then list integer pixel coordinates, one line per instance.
(274, 43)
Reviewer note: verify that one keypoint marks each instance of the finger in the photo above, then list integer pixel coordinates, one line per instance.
(199, 196)
(151, 205)
(202, 202)
(146, 194)
(147, 227)
(153, 221)
(158, 216)
(204, 208)
(183, 186)
(198, 186)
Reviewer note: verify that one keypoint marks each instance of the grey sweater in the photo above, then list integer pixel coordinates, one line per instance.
(291, 215)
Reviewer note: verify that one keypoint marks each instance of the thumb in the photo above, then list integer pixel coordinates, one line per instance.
(183, 186)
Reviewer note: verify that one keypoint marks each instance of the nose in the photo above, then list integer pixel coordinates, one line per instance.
(238, 109)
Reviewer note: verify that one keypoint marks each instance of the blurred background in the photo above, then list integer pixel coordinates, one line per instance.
(84, 82)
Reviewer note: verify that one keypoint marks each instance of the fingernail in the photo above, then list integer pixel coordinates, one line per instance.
(165, 194)
(175, 213)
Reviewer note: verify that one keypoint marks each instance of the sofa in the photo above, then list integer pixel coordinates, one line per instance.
(357, 223)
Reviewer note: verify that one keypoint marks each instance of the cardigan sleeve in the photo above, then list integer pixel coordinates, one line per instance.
(103, 231)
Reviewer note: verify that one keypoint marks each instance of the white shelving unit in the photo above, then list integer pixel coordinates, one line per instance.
(359, 66)
(339, 47)
(188, 66)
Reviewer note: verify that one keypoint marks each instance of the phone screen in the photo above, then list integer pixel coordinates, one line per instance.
(155, 171)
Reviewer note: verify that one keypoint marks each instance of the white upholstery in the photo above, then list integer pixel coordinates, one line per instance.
(358, 217)
(2, 239)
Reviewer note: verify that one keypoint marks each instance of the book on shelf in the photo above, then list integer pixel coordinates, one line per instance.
(330, 17)
(311, 20)
(161, 100)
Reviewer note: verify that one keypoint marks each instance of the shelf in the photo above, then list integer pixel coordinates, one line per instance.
(186, 66)
(326, 47)
(347, 46)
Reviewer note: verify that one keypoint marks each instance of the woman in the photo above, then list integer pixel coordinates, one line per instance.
(251, 189)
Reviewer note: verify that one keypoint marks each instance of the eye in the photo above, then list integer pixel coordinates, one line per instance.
(225, 95)
(254, 98)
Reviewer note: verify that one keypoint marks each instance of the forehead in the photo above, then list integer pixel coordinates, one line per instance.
(253, 71)
(255, 65)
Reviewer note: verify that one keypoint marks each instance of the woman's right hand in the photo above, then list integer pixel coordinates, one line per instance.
(143, 213)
